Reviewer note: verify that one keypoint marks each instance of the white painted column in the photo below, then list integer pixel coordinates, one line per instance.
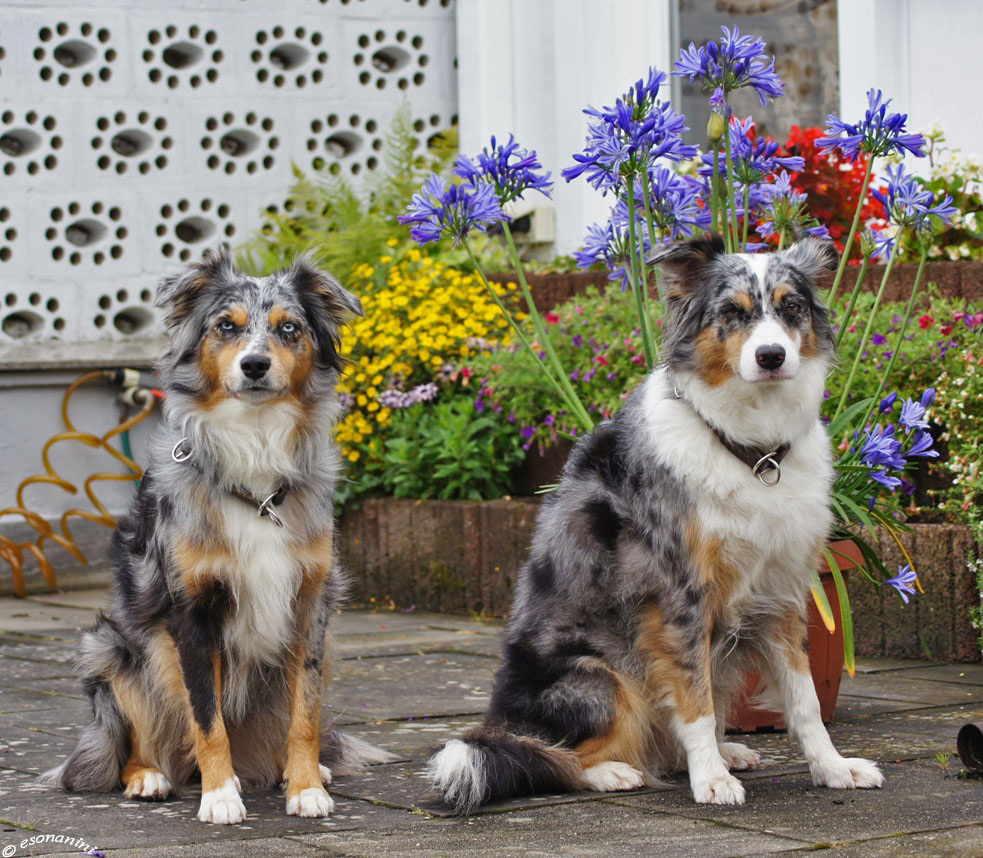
(922, 54)
(531, 66)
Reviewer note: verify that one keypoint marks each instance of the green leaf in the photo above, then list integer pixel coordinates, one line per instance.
(846, 618)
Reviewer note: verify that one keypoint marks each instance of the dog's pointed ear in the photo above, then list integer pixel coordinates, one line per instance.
(813, 255)
(178, 292)
(327, 305)
(334, 297)
(683, 263)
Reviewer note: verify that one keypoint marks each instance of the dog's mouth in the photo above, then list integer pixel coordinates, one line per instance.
(257, 391)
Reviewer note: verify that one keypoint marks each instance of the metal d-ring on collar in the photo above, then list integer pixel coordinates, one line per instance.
(766, 464)
(182, 452)
(759, 461)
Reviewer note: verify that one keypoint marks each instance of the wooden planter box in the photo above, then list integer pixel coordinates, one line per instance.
(825, 656)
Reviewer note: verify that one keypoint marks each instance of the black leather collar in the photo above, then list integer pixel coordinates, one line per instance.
(760, 460)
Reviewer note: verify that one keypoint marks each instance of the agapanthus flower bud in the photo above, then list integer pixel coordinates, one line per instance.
(717, 124)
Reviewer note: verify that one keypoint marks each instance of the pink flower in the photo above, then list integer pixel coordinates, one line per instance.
(552, 318)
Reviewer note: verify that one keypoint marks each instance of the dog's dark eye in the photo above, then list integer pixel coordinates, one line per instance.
(795, 308)
(734, 312)
(226, 326)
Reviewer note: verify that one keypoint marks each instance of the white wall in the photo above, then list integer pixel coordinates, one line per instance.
(925, 54)
(531, 66)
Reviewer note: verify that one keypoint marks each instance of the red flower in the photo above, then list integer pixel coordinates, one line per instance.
(926, 322)
(552, 318)
(603, 361)
(946, 330)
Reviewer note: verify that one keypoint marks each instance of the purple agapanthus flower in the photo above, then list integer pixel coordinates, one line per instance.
(922, 445)
(609, 245)
(913, 415)
(887, 403)
(908, 206)
(784, 210)
(878, 133)
(754, 160)
(674, 198)
(507, 168)
(438, 210)
(880, 452)
(630, 137)
(903, 580)
(733, 62)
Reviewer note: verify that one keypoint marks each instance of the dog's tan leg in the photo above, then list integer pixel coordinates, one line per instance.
(306, 796)
(220, 801)
(786, 663)
(679, 676)
(616, 760)
(141, 778)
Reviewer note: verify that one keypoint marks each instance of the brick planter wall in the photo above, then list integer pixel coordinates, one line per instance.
(463, 557)
(954, 280)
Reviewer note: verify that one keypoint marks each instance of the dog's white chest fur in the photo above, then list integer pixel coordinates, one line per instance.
(264, 578)
(769, 532)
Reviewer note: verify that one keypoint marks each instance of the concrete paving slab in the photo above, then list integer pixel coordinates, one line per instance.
(401, 686)
(110, 821)
(850, 707)
(882, 665)
(901, 686)
(19, 699)
(416, 738)
(584, 829)
(916, 797)
(425, 678)
(959, 674)
(963, 842)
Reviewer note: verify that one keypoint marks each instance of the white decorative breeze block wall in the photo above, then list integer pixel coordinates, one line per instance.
(133, 135)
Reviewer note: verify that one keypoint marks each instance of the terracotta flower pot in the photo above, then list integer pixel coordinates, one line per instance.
(825, 656)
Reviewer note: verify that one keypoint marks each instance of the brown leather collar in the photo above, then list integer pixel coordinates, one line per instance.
(760, 460)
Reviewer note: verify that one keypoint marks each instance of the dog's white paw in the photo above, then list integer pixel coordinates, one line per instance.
(325, 775)
(612, 776)
(847, 773)
(151, 785)
(722, 788)
(312, 802)
(222, 806)
(738, 757)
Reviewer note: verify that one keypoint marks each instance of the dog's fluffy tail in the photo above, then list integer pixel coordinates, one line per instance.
(491, 764)
(98, 759)
(345, 754)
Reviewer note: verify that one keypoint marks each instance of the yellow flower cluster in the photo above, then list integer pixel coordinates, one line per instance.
(427, 318)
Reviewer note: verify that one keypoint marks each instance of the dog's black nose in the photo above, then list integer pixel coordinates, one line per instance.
(769, 357)
(255, 366)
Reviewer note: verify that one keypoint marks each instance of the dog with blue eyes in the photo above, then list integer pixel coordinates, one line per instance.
(211, 653)
(676, 553)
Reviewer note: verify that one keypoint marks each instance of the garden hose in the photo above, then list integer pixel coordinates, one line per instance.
(133, 394)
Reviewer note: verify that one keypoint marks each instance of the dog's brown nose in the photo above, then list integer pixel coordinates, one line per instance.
(769, 357)
(254, 366)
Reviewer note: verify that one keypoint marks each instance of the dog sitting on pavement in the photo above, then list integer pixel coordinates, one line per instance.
(211, 651)
(675, 553)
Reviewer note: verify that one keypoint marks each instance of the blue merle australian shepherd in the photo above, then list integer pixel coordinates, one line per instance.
(211, 652)
(676, 551)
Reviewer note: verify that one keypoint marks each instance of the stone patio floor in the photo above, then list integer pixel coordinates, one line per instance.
(407, 681)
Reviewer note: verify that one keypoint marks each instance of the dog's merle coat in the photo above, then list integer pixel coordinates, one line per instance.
(211, 651)
(661, 566)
